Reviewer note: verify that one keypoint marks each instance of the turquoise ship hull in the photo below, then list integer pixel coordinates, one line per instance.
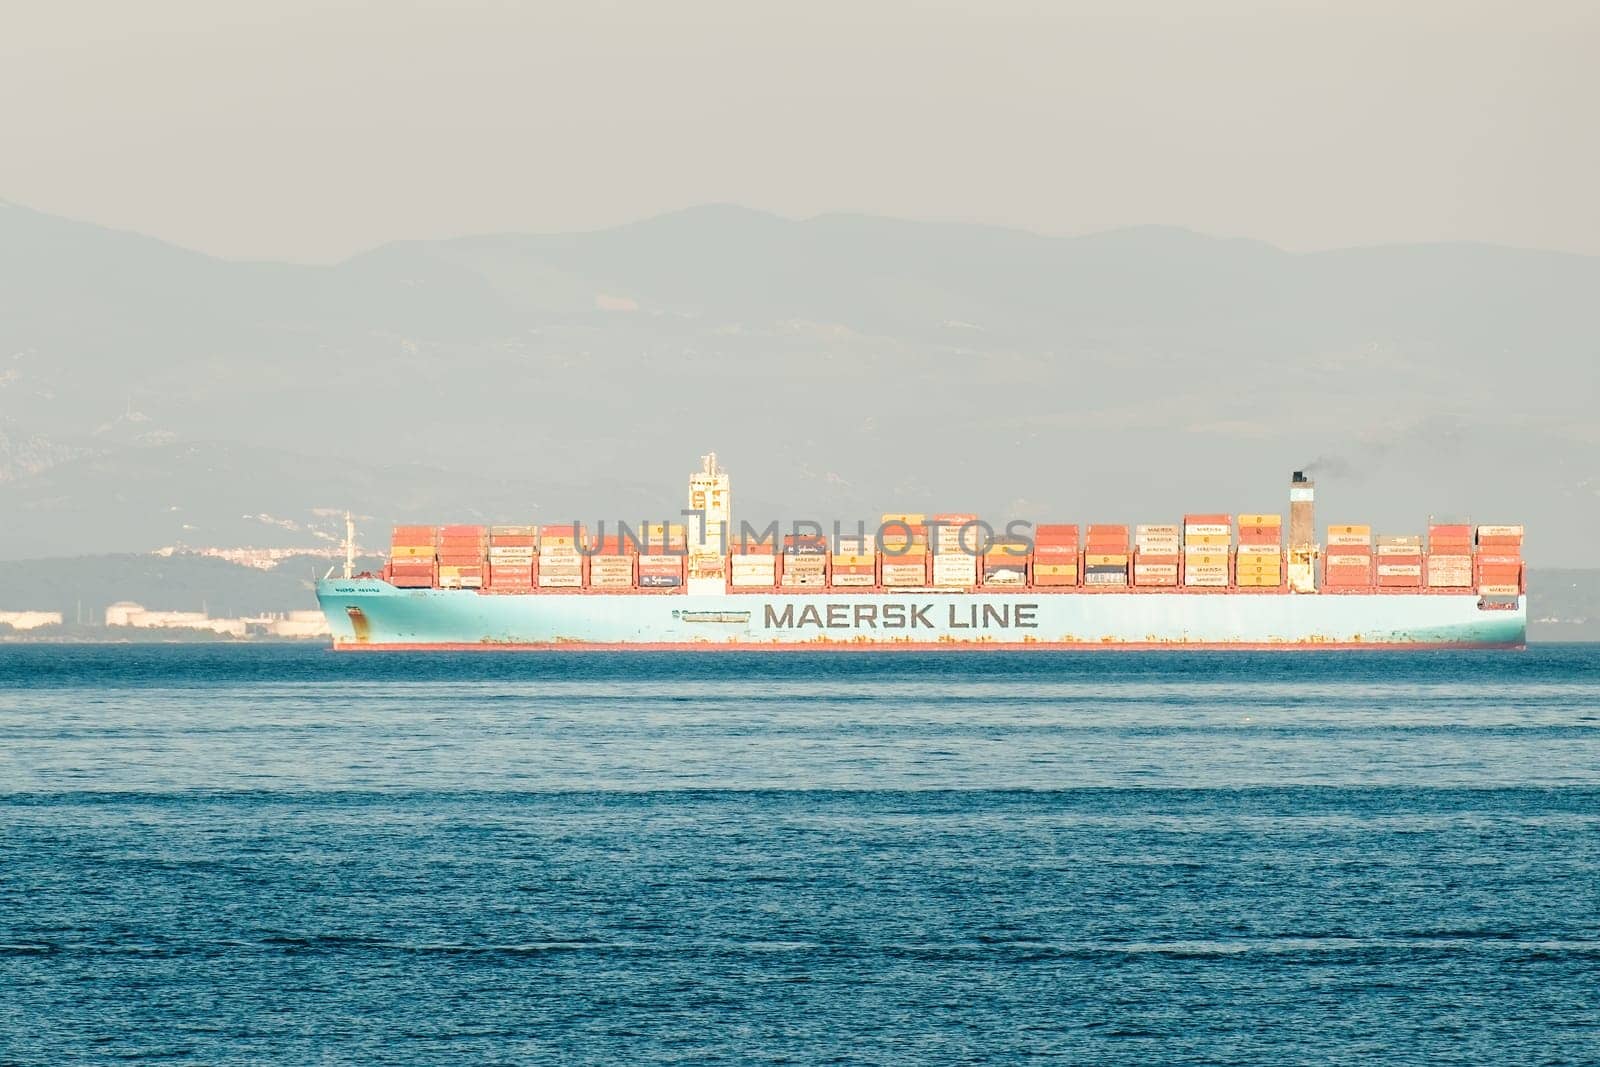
(367, 613)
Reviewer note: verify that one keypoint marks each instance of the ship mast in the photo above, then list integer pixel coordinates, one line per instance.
(349, 546)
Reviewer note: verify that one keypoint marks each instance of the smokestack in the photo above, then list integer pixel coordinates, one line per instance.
(1302, 534)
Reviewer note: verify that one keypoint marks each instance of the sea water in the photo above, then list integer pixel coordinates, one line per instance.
(243, 855)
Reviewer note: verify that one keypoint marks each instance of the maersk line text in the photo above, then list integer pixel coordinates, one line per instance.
(900, 616)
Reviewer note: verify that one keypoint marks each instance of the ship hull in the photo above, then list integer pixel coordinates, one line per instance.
(369, 614)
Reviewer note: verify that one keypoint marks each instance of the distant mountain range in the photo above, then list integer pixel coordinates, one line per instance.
(840, 365)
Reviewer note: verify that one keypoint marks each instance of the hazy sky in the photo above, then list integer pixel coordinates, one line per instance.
(310, 129)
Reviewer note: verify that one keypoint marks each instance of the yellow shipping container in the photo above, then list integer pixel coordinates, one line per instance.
(1260, 520)
(1350, 531)
(411, 552)
(1114, 559)
(1065, 570)
(1207, 539)
(909, 520)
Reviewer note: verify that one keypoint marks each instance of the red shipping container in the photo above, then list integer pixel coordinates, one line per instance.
(413, 535)
(1055, 533)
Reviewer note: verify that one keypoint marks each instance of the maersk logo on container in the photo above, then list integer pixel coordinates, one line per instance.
(893, 538)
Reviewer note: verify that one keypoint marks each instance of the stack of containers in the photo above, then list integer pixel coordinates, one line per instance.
(1399, 561)
(1055, 555)
(1258, 561)
(854, 562)
(1005, 562)
(753, 565)
(1499, 560)
(411, 559)
(1449, 563)
(512, 552)
(661, 559)
(955, 563)
(903, 560)
(805, 562)
(461, 556)
(1105, 556)
(1348, 558)
(1206, 543)
(1155, 554)
(560, 562)
(611, 566)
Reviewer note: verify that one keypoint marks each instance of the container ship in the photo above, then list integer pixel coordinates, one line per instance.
(944, 581)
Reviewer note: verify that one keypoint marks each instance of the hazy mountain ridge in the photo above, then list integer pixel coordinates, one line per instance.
(842, 364)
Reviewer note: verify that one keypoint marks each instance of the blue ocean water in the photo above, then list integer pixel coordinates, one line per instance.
(278, 855)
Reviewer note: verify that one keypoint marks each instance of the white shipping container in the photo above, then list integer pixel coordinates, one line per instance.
(1399, 550)
(745, 581)
(1349, 539)
(1500, 531)
(1120, 578)
(1498, 590)
(1208, 529)
(1166, 529)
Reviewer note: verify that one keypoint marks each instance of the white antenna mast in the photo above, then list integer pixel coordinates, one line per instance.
(349, 546)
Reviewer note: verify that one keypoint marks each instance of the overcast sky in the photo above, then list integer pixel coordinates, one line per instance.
(310, 129)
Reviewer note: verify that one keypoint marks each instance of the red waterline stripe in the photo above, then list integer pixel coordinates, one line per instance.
(922, 646)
